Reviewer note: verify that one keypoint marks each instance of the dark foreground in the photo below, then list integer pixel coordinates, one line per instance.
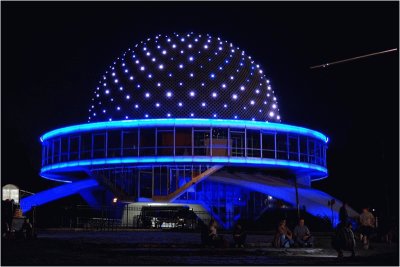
(172, 248)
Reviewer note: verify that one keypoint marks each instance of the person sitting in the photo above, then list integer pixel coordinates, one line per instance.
(344, 239)
(303, 235)
(283, 237)
(239, 235)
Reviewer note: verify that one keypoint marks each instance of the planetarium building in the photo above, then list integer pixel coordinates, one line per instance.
(188, 120)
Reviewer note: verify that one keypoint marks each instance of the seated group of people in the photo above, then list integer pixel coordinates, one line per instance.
(301, 236)
(212, 238)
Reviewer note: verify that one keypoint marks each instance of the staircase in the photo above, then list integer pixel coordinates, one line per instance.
(197, 179)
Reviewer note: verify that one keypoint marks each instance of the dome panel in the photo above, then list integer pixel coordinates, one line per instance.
(184, 76)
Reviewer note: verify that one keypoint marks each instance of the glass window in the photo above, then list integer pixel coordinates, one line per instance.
(64, 149)
(114, 144)
(130, 143)
(183, 141)
(303, 149)
(86, 146)
(253, 143)
(147, 142)
(74, 147)
(311, 150)
(281, 146)
(165, 141)
(237, 142)
(268, 145)
(146, 183)
(201, 138)
(293, 148)
(56, 150)
(220, 142)
(99, 145)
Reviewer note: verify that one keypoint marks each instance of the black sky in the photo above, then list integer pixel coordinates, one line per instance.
(53, 55)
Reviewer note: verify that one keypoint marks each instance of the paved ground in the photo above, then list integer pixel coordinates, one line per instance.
(175, 248)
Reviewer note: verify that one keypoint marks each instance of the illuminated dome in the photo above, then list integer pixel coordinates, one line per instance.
(184, 76)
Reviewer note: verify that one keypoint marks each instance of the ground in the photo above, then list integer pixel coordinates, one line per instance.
(176, 248)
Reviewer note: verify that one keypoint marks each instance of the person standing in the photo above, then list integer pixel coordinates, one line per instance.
(343, 215)
(303, 235)
(367, 225)
(239, 235)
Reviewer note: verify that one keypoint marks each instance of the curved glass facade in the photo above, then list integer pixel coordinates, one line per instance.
(173, 140)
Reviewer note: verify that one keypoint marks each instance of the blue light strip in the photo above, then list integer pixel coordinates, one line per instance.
(186, 159)
(269, 126)
(56, 193)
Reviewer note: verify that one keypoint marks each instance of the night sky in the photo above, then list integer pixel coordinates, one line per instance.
(53, 55)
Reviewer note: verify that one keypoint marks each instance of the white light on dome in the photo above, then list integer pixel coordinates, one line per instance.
(149, 75)
(146, 115)
(191, 114)
(271, 114)
(252, 102)
(159, 84)
(203, 104)
(189, 45)
(274, 106)
(192, 93)
(242, 88)
(214, 94)
(257, 91)
(118, 108)
(168, 115)
(181, 66)
(212, 75)
(137, 62)
(234, 96)
(225, 105)
(180, 104)
(174, 46)
(116, 80)
(131, 78)
(161, 66)
(205, 46)
(223, 85)
(147, 95)
(113, 74)
(169, 94)
(232, 77)
(164, 52)
(278, 117)
(153, 59)
(136, 106)
(142, 68)
(157, 104)
(107, 91)
(128, 97)
(190, 58)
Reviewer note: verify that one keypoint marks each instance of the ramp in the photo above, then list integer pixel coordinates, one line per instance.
(56, 193)
(315, 201)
